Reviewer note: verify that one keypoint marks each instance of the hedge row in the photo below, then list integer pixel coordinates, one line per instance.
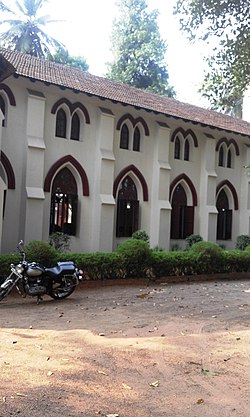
(134, 259)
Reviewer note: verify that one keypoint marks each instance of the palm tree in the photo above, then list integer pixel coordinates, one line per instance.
(25, 28)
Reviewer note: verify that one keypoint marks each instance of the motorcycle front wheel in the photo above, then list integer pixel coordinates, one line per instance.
(3, 293)
(8, 285)
(63, 289)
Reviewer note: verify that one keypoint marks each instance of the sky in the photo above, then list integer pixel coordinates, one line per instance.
(86, 31)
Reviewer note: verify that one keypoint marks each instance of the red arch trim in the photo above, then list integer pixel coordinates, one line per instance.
(9, 171)
(228, 143)
(184, 177)
(228, 184)
(72, 107)
(9, 94)
(124, 172)
(185, 134)
(133, 121)
(58, 164)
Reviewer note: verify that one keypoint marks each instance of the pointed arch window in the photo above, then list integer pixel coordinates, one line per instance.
(63, 209)
(221, 157)
(124, 137)
(75, 127)
(177, 148)
(127, 209)
(229, 158)
(182, 216)
(61, 124)
(2, 107)
(186, 150)
(224, 217)
(136, 140)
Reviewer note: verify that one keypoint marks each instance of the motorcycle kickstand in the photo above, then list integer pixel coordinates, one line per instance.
(39, 298)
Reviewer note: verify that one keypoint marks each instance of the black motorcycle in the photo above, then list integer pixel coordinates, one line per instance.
(36, 280)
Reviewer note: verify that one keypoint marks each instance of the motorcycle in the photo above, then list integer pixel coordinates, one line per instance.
(36, 280)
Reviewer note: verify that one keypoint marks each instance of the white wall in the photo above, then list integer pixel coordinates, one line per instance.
(29, 142)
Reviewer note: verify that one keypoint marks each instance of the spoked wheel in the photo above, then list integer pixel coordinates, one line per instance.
(63, 289)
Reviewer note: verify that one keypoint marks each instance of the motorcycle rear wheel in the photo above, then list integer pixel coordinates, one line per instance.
(64, 289)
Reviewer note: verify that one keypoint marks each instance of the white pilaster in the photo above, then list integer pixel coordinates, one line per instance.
(35, 166)
(207, 215)
(103, 221)
(160, 205)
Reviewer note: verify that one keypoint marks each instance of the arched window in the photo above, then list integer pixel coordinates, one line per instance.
(186, 150)
(124, 137)
(182, 215)
(221, 157)
(2, 107)
(75, 127)
(61, 124)
(63, 207)
(127, 209)
(136, 140)
(177, 148)
(229, 158)
(224, 217)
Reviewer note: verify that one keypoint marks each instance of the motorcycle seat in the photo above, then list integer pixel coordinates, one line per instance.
(61, 268)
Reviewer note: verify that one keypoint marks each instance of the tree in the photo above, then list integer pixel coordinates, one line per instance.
(138, 49)
(227, 24)
(63, 57)
(25, 28)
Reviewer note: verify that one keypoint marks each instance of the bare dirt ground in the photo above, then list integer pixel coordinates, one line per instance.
(164, 350)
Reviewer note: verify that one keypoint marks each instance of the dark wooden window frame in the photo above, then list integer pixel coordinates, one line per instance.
(61, 123)
(127, 209)
(182, 216)
(224, 217)
(64, 202)
(124, 137)
(75, 127)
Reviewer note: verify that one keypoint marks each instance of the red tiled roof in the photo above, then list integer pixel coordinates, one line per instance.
(68, 77)
(6, 69)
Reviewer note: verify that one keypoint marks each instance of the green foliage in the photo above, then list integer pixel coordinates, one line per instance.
(41, 252)
(138, 49)
(61, 56)
(208, 255)
(173, 263)
(190, 240)
(26, 28)
(226, 24)
(141, 235)
(98, 265)
(135, 257)
(175, 247)
(5, 261)
(60, 241)
(242, 242)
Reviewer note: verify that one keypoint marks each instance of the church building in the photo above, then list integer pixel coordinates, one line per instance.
(98, 160)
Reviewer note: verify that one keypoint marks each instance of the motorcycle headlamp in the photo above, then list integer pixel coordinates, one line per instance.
(19, 268)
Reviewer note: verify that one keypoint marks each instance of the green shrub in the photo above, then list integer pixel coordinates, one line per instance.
(141, 235)
(175, 247)
(208, 257)
(60, 241)
(98, 265)
(41, 252)
(165, 264)
(135, 257)
(242, 242)
(5, 261)
(192, 239)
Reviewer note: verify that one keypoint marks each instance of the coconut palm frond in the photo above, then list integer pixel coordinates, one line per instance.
(26, 29)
